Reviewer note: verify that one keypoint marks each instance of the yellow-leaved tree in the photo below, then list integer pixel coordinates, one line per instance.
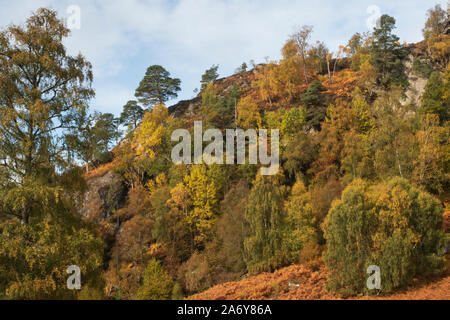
(248, 114)
(202, 214)
(148, 138)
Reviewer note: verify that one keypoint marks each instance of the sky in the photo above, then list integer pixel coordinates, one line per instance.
(122, 38)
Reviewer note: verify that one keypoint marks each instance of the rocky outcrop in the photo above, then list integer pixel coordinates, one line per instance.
(95, 196)
(104, 194)
(416, 83)
(187, 108)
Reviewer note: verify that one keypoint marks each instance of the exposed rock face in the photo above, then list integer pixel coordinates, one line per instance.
(103, 192)
(106, 188)
(187, 108)
(417, 83)
(96, 194)
(96, 199)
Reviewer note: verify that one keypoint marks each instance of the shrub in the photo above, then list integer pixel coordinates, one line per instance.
(194, 274)
(266, 219)
(423, 68)
(177, 292)
(34, 259)
(157, 284)
(392, 225)
(301, 237)
(435, 98)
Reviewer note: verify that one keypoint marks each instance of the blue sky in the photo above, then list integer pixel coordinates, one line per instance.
(123, 37)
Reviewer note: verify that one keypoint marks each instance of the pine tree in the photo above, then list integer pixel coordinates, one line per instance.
(157, 87)
(388, 54)
(106, 130)
(314, 102)
(131, 115)
(209, 76)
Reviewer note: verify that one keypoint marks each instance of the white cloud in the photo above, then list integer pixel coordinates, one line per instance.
(109, 96)
(188, 36)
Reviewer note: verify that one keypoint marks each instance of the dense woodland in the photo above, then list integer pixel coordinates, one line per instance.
(364, 177)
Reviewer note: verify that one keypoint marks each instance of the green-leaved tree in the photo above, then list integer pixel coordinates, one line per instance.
(157, 87)
(209, 76)
(388, 54)
(43, 93)
(392, 225)
(131, 115)
(265, 216)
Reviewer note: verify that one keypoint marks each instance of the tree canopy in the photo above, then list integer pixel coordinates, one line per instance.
(363, 175)
(388, 54)
(43, 94)
(131, 115)
(157, 87)
(209, 76)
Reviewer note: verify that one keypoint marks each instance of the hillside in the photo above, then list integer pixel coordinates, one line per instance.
(306, 282)
(107, 181)
(298, 178)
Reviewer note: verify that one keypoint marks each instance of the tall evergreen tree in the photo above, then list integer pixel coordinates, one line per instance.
(96, 135)
(209, 76)
(388, 54)
(106, 130)
(131, 115)
(314, 102)
(157, 87)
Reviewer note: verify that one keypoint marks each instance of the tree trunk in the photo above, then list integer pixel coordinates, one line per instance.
(235, 114)
(335, 65)
(400, 171)
(26, 214)
(305, 71)
(329, 71)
